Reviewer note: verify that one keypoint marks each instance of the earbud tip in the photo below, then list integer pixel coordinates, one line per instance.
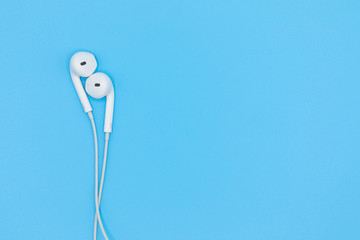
(98, 85)
(83, 64)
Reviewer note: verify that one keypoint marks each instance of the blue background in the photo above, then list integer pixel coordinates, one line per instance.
(233, 119)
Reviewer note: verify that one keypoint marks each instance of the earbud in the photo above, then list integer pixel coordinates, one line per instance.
(82, 64)
(98, 86)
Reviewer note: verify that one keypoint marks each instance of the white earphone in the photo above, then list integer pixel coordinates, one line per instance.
(82, 64)
(97, 85)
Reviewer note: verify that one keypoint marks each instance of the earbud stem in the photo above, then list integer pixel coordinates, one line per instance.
(109, 111)
(81, 92)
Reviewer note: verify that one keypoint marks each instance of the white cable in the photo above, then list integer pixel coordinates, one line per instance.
(97, 176)
(107, 136)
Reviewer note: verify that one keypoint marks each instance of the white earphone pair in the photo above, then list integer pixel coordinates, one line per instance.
(97, 85)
